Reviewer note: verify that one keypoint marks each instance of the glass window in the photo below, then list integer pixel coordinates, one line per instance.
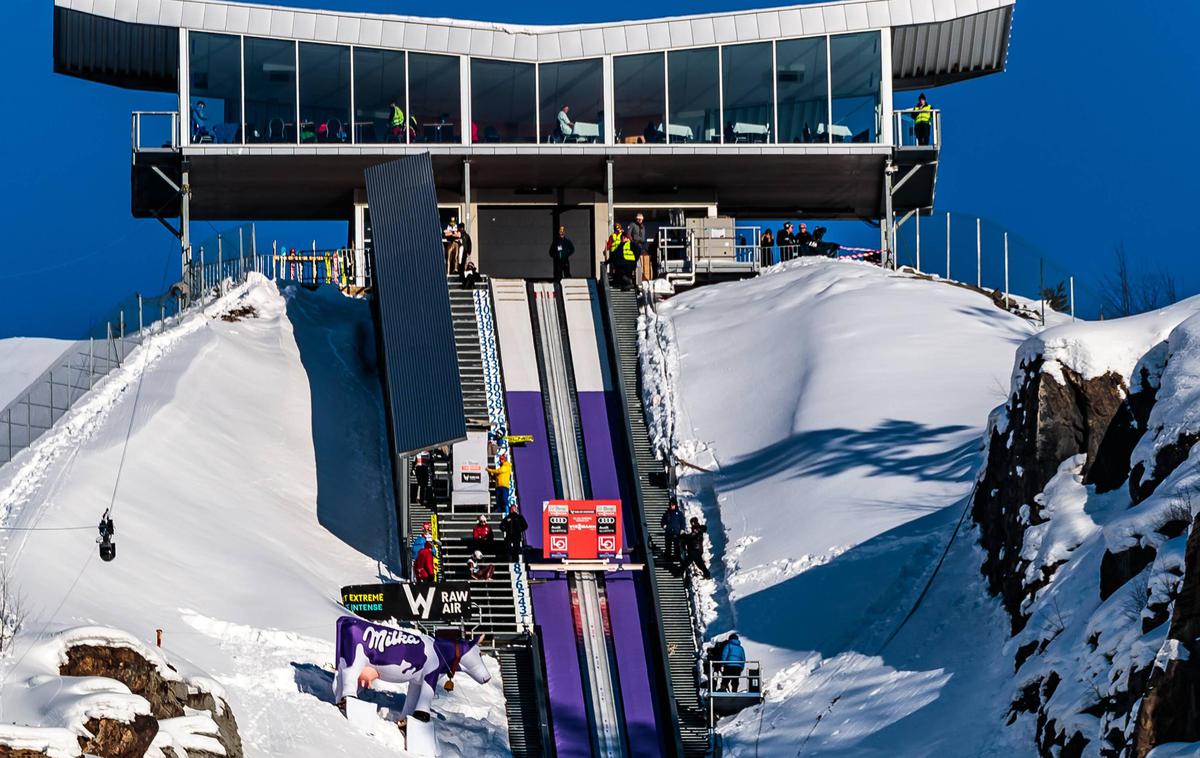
(270, 90)
(746, 85)
(692, 87)
(802, 86)
(434, 103)
(572, 107)
(215, 88)
(639, 89)
(856, 65)
(503, 103)
(324, 93)
(379, 102)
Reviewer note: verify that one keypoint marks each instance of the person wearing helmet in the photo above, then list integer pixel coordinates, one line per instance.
(477, 569)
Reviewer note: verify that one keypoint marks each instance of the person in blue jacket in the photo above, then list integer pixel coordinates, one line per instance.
(733, 661)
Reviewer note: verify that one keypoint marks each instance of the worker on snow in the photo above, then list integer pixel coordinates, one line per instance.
(502, 478)
(693, 547)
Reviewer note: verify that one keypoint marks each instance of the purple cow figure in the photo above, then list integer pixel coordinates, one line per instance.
(366, 652)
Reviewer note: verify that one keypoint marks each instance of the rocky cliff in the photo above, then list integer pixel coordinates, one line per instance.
(1084, 511)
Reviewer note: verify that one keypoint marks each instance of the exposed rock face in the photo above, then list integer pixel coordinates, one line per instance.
(1170, 710)
(113, 739)
(1047, 422)
(167, 699)
(1054, 413)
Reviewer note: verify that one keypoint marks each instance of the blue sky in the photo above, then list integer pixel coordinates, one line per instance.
(1080, 145)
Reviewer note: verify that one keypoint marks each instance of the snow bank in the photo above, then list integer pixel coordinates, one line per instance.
(831, 416)
(1176, 411)
(255, 485)
(23, 359)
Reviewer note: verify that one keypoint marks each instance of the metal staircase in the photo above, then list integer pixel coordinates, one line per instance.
(524, 699)
(674, 607)
(496, 613)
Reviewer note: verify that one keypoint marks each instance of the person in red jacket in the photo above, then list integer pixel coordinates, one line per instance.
(424, 568)
(482, 537)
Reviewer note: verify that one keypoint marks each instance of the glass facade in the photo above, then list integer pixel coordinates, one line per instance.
(825, 89)
(380, 102)
(694, 91)
(270, 90)
(749, 103)
(503, 102)
(324, 93)
(215, 88)
(856, 63)
(640, 98)
(802, 86)
(434, 110)
(572, 101)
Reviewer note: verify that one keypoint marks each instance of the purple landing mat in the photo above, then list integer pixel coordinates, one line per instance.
(633, 667)
(531, 461)
(564, 682)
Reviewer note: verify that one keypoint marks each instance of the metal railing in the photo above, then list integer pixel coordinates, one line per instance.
(106, 346)
(907, 132)
(155, 131)
(347, 267)
(680, 255)
(732, 687)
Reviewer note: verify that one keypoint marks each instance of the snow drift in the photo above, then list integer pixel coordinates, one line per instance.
(831, 416)
(254, 486)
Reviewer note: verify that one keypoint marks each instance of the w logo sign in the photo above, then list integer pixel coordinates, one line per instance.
(419, 603)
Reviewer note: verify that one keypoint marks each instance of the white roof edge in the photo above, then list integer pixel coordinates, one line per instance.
(883, 14)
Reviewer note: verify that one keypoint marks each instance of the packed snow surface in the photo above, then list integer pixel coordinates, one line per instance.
(23, 359)
(254, 486)
(831, 416)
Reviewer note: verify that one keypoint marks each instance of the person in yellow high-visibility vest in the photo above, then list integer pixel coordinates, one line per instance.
(397, 122)
(621, 257)
(922, 120)
(502, 476)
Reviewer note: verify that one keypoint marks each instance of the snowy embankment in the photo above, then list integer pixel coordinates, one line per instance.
(23, 359)
(831, 419)
(254, 486)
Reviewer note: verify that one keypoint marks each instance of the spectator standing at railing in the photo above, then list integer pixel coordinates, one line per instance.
(787, 242)
(732, 663)
(922, 120)
(766, 249)
(804, 241)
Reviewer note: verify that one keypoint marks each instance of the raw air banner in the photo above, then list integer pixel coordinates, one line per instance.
(581, 530)
(443, 601)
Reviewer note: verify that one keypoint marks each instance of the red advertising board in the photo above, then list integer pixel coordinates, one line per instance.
(581, 530)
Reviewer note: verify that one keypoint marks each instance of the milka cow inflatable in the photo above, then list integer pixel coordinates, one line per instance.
(366, 652)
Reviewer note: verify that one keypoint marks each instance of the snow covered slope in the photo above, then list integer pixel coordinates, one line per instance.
(839, 411)
(254, 486)
(22, 359)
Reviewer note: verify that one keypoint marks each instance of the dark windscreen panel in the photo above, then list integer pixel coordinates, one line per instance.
(214, 88)
(747, 88)
(802, 87)
(324, 93)
(695, 97)
(503, 102)
(640, 95)
(434, 101)
(411, 306)
(572, 101)
(856, 66)
(379, 99)
(270, 90)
